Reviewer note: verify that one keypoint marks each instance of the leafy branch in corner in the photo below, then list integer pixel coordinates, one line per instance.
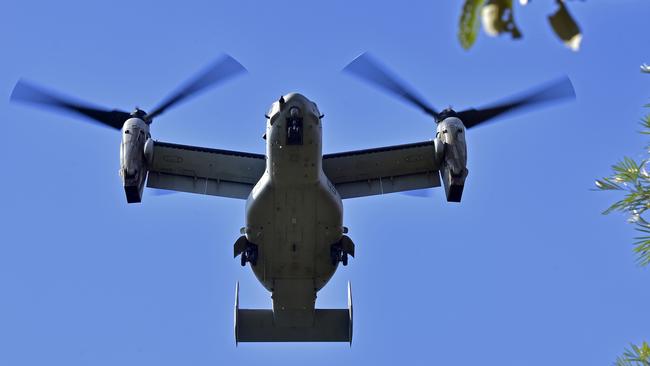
(633, 178)
(635, 356)
(497, 17)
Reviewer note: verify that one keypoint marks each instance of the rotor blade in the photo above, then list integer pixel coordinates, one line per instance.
(367, 68)
(29, 93)
(221, 70)
(552, 91)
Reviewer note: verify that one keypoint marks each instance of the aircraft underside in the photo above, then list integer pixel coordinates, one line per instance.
(294, 238)
(296, 232)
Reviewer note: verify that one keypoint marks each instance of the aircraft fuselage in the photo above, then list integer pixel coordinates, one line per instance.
(293, 214)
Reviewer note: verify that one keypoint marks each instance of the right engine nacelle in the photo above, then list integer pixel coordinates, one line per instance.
(452, 150)
(133, 164)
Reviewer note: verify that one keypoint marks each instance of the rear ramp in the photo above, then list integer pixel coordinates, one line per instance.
(258, 325)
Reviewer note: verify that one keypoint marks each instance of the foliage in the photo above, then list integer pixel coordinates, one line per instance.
(635, 356)
(633, 178)
(468, 27)
(498, 18)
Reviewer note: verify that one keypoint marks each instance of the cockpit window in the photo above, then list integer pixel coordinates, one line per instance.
(294, 129)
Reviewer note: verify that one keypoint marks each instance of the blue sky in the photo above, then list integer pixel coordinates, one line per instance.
(526, 271)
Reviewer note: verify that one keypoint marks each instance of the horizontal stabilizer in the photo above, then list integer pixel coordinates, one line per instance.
(258, 325)
(330, 325)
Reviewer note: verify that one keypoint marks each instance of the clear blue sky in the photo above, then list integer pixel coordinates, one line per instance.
(526, 271)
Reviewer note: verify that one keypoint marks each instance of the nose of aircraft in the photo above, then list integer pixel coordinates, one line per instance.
(298, 105)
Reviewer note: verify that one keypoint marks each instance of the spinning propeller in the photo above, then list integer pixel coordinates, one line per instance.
(367, 68)
(219, 71)
(450, 144)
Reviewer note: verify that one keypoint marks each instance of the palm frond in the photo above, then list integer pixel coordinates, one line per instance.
(635, 356)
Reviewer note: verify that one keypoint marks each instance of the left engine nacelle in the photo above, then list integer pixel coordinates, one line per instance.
(133, 163)
(451, 149)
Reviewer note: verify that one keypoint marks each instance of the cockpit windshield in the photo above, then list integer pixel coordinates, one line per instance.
(294, 127)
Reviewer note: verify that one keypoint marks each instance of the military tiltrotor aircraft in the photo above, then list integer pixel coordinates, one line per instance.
(294, 238)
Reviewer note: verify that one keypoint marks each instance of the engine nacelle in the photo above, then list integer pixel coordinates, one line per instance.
(133, 163)
(451, 150)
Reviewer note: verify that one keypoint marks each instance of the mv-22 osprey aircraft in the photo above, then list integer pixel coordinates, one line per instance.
(294, 238)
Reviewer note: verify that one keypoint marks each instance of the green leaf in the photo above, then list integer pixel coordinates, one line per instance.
(642, 249)
(606, 184)
(634, 179)
(644, 353)
(468, 25)
(635, 356)
(565, 27)
(645, 122)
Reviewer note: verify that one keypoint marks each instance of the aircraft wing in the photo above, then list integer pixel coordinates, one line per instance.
(383, 170)
(202, 170)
